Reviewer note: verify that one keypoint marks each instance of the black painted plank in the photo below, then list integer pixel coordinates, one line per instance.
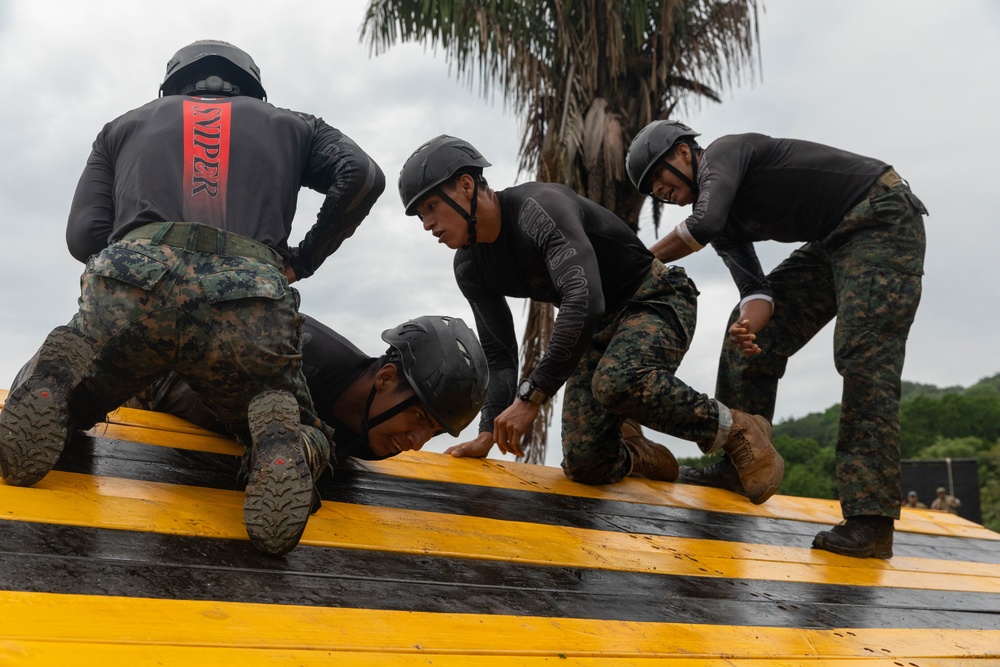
(92, 561)
(118, 458)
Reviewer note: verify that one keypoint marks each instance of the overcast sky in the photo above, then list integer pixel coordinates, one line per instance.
(911, 82)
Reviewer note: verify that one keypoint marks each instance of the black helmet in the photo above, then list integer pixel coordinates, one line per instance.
(214, 67)
(445, 365)
(652, 143)
(432, 164)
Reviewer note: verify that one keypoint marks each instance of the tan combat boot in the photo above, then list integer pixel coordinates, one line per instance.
(758, 463)
(649, 459)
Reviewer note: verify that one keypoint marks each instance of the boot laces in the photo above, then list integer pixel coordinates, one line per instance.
(742, 455)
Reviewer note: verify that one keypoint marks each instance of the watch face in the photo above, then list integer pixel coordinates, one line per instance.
(524, 389)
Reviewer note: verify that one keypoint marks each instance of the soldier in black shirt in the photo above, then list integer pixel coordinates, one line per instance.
(624, 323)
(861, 262)
(431, 380)
(182, 215)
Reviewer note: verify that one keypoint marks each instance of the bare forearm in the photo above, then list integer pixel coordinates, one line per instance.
(670, 248)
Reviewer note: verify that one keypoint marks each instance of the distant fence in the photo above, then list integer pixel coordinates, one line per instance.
(959, 476)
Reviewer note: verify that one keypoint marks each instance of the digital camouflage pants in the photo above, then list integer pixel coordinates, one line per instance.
(629, 371)
(867, 274)
(228, 325)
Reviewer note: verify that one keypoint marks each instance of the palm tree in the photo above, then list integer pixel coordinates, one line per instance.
(585, 77)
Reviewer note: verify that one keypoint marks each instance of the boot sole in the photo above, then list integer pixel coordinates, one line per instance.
(35, 421)
(776, 479)
(279, 494)
(33, 432)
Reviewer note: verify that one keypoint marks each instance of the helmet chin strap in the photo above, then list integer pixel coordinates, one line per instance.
(691, 183)
(470, 215)
(368, 423)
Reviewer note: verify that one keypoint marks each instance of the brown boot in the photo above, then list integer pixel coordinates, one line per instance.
(649, 459)
(859, 537)
(758, 463)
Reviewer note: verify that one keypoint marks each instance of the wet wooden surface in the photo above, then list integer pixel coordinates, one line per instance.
(133, 551)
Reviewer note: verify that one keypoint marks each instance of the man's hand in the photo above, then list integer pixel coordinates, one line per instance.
(512, 424)
(754, 316)
(741, 337)
(289, 274)
(477, 448)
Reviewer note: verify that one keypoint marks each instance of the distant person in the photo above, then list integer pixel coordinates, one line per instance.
(913, 500)
(944, 502)
(182, 215)
(624, 324)
(861, 263)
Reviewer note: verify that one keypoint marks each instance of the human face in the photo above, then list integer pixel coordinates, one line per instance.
(409, 430)
(442, 220)
(666, 185)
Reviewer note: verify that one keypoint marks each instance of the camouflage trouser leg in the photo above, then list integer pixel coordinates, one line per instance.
(228, 325)
(867, 273)
(877, 271)
(628, 371)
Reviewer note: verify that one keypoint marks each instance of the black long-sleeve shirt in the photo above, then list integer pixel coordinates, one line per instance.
(755, 188)
(234, 163)
(556, 247)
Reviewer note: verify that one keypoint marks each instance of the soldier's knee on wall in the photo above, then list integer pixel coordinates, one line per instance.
(612, 386)
(586, 468)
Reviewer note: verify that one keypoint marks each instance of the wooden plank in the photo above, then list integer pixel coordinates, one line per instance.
(100, 655)
(137, 554)
(161, 464)
(513, 475)
(52, 558)
(167, 430)
(109, 502)
(106, 619)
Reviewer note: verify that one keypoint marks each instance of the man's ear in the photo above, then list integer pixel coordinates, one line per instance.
(467, 184)
(684, 152)
(387, 377)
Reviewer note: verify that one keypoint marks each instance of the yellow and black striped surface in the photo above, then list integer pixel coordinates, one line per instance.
(133, 551)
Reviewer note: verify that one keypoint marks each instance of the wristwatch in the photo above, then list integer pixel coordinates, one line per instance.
(527, 391)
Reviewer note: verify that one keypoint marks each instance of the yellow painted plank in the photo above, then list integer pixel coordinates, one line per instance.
(200, 440)
(60, 654)
(41, 617)
(156, 428)
(107, 502)
(547, 479)
(156, 420)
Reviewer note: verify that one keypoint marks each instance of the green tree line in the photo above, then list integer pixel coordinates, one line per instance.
(935, 423)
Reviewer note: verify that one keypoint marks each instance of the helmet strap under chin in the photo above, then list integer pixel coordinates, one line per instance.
(470, 215)
(690, 182)
(681, 175)
(368, 423)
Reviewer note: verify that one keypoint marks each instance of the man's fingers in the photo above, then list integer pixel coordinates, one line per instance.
(472, 449)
